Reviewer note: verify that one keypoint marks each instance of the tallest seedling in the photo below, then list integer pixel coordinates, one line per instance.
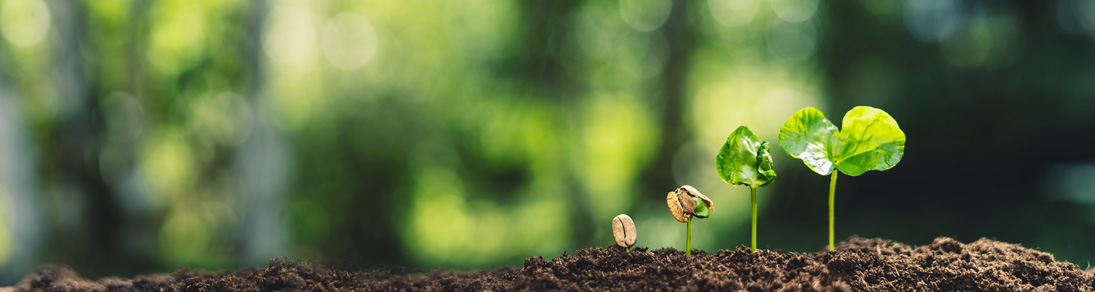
(869, 140)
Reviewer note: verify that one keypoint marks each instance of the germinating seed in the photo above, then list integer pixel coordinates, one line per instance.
(623, 228)
(681, 204)
(692, 192)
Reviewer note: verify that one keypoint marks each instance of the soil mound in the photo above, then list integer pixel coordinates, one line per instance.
(858, 264)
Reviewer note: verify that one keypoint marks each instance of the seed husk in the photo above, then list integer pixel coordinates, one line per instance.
(623, 228)
(675, 207)
(691, 191)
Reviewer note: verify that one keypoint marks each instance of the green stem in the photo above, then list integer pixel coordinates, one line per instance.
(688, 240)
(832, 216)
(753, 245)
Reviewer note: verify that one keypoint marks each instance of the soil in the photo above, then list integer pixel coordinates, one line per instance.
(858, 264)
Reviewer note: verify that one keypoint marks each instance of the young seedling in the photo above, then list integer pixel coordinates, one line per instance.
(869, 140)
(744, 161)
(686, 202)
(623, 228)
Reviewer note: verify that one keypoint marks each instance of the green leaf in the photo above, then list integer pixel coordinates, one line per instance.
(764, 162)
(809, 136)
(869, 140)
(872, 141)
(702, 211)
(744, 160)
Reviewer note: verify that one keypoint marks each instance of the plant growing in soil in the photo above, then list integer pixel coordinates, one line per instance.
(744, 161)
(870, 140)
(686, 202)
(623, 229)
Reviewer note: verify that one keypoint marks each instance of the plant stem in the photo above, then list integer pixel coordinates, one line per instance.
(688, 240)
(753, 245)
(832, 216)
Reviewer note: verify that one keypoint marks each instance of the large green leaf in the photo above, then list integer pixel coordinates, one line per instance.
(869, 140)
(809, 136)
(744, 160)
(872, 141)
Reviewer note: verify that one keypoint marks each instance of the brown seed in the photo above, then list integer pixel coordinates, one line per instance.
(686, 200)
(692, 192)
(623, 228)
(675, 207)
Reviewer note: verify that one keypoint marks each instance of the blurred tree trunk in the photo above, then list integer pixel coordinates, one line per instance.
(261, 161)
(75, 147)
(542, 43)
(139, 226)
(679, 34)
(19, 205)
(544, 27)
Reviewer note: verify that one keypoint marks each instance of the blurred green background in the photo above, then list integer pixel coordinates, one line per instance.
(144, 136)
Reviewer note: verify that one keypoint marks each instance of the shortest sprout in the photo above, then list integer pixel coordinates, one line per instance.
(623, 228)
(685, 203)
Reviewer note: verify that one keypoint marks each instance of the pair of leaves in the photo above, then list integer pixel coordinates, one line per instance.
(744, 160)
(870, 140)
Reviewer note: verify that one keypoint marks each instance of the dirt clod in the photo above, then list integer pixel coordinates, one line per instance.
(858, 264)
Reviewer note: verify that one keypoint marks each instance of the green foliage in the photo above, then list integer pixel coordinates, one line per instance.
(702, 210)
(808, 136)
(870, 140)
(744, 160)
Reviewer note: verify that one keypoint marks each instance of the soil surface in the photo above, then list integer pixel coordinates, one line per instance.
(858, 264)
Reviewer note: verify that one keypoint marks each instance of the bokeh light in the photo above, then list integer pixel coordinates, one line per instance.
(795, 10)
(291, 40)
(645, 15)
(933, 21)
(349, 41)
(24, 23)
(733, 12)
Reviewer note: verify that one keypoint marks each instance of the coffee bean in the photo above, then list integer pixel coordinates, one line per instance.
(623, 228)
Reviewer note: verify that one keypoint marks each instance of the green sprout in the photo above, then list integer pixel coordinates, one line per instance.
(745, 161)
(870, 140)
(687, 202)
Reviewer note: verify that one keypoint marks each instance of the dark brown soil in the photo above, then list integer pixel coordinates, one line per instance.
(858, 265)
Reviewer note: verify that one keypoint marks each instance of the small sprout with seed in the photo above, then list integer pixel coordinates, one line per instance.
(623, 228)
(687, 202)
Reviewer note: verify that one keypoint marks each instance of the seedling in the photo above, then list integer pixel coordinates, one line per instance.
(623, 228)
(870, 140)
(744, 161)
(686, 202)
